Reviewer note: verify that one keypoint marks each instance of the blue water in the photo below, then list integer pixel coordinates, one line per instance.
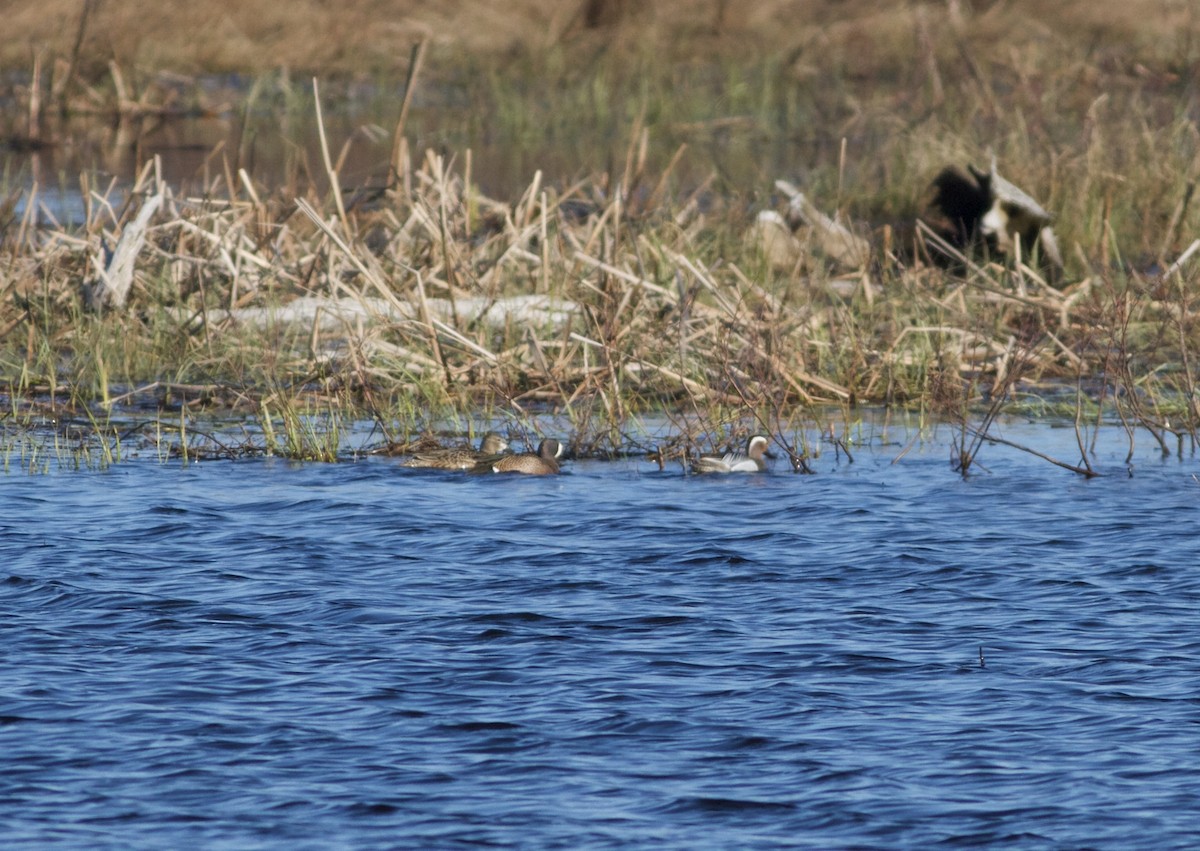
(261, 654)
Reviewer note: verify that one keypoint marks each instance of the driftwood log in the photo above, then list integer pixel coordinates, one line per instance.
(114, 270)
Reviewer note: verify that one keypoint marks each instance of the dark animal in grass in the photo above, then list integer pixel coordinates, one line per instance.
(981, 207)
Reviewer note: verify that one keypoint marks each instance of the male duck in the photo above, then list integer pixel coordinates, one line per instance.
(544, 463)
(735, 462)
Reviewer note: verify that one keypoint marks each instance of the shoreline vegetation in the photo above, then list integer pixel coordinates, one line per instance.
(647, 281)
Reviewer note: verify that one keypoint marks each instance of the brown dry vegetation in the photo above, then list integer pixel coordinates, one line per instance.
(247, 36)
(1092, 106)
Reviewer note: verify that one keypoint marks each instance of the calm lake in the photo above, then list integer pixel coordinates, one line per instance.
(263, 654)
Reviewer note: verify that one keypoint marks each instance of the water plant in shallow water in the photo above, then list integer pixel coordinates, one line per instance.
(303, 435)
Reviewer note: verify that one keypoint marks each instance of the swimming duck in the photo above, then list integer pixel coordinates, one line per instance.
(544, 462)
(459, 458)
(735, 462)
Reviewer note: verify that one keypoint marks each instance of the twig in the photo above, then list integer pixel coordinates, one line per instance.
(1086, 471)
(334, 183)
(416, 57)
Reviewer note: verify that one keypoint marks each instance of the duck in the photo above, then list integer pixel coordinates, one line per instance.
(542, 463)
(459, 458)
(736, 462)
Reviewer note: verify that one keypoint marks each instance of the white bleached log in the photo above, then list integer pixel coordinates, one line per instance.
(331, 313)
(829, 236)
(114, 278)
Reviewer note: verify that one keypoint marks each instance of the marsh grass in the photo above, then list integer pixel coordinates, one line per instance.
(32, 441)
(316, 304)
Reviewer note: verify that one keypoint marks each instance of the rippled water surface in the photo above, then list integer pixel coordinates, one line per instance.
(264, 654)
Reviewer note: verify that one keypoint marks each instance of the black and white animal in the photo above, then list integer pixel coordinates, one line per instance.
(982, 205)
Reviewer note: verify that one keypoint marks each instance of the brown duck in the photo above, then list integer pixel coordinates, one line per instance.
(459, 458)
(543, 463)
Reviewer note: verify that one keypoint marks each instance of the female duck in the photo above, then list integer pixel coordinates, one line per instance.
(493, 445)
(751, 461)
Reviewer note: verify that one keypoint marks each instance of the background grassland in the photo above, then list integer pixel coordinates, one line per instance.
(356, 36)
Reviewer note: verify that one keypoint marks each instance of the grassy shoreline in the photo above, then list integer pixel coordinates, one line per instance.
(410, 304)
